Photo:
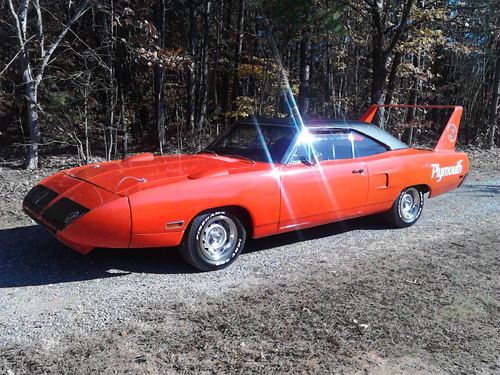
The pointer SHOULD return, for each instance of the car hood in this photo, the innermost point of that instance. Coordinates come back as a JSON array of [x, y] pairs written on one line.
[[145, 171]]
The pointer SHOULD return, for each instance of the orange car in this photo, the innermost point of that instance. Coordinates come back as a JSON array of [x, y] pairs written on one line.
[[259, 178]]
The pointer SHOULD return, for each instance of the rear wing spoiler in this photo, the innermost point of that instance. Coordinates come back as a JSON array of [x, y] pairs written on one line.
[[448, 137]]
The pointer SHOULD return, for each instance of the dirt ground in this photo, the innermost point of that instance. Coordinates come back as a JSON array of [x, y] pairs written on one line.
[[354, 298]]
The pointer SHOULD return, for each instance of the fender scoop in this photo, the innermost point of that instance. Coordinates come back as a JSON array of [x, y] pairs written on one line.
[[208, 173]]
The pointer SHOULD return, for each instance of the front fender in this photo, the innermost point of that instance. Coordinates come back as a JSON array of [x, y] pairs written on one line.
[[108, 225]]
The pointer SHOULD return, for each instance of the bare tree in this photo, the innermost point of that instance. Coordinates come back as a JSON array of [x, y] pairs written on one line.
[[205, 64], [238, 50], [383, 48], [191, 84], [33, 72], [305, 70], [495, 94], [159, 81]]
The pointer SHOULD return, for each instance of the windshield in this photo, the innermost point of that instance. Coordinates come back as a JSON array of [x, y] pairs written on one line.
[[265, 143]]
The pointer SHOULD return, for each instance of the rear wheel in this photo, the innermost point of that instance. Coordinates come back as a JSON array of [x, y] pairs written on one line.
[[407, 208], [213, 240]]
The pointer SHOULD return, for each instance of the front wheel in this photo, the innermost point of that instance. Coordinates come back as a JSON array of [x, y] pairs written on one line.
[[213, 240], [406, 208]]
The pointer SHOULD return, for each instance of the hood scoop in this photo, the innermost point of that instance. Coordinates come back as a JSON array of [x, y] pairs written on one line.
[[209, 173], [141, 157]]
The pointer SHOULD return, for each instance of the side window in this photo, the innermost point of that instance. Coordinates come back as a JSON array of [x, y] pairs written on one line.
[[342, 146], [364, 146], [323, 145]]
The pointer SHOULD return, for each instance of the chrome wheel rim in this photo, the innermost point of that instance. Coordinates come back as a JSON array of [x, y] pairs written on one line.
[[218, 238], [409, 205]]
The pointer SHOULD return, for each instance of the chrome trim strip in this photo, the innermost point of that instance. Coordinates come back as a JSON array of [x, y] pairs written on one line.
[[295, 225]]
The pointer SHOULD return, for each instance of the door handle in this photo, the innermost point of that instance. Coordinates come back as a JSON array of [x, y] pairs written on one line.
[[361, 171]]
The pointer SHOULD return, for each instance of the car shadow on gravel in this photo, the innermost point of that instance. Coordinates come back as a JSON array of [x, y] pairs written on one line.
[[32, 256], [373, 222], [483, 190]]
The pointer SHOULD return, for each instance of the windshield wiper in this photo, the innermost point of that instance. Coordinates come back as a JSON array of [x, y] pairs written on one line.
[[239, 157]]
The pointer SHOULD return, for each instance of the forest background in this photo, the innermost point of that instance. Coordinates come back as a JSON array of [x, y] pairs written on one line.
[[112, 77]]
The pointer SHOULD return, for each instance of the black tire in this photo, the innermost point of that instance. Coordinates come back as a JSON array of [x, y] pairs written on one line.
[[407, 208], [213, 240]]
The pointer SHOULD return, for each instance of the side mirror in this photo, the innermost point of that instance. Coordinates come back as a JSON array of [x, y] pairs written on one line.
[[306, 161]]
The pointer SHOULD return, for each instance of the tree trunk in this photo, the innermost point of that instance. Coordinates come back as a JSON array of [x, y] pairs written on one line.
[[205, 65], [124, 124], [191, 100], [31, 161], [111, 87], [158, 74], [381, 53], [305, 70], [378, 85], [218, 16], [495, 94], [413, 101], [226, 75], [328, 71], [410, 117], [86, 94], [237, 53], [391, 86], [32, 80]]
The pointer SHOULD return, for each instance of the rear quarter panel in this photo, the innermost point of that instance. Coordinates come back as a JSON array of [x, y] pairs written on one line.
[[391, 172]]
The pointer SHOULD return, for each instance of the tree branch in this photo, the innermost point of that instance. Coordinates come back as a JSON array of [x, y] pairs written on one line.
[[39, 25], [18, 25], [356, 10], [377, 19], [23, 12], [15, 57], [82, 9], [401, 28], [96, 56]]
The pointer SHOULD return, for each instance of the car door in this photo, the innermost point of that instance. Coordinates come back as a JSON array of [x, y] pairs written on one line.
[[322, 182]]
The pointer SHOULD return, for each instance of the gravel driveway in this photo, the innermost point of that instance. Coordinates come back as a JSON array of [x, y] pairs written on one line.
[[49, 292]]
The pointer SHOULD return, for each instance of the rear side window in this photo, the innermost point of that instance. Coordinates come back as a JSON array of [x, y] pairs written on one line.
[[364, 146]]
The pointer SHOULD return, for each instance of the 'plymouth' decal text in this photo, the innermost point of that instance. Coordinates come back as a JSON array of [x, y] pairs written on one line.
[[439, 173]]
